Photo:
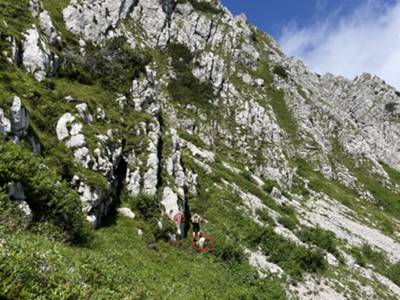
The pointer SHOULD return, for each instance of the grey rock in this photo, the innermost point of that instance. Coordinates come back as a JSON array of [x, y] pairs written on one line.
[[46, 24], [76, 141], [5, 124], [210, 67], [25, 209], [96, 20], [150, 178], [36, 56], [19, 118], [126, 212], [84, 112], [133, 182], [16, 192], [62, 129], [69, 131], [35, 7]]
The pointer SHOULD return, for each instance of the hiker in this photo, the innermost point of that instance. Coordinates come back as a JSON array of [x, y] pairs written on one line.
[[200, 240], [196, 220]]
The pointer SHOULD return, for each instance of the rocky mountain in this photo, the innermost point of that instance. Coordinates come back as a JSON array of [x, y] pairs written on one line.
[[120, 119]]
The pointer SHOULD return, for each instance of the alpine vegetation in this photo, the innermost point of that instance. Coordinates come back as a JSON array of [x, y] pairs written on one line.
[[165, 149]]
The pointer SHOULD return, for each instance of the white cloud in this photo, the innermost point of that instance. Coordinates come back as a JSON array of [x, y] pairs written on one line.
[[367, 40]]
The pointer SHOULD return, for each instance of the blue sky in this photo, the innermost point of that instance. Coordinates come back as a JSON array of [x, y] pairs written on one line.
[[343, 37], [273, 16]]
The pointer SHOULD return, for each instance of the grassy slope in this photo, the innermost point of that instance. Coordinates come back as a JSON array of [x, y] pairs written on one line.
[[32, 267]]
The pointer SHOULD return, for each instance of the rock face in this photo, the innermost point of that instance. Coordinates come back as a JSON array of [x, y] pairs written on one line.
[[36, 56], [213, 119], [96, 20]]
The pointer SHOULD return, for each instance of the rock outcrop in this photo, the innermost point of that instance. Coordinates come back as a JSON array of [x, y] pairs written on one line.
[[36, 56]]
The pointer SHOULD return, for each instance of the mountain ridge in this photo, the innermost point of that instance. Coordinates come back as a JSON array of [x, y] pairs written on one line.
[[156, 108]]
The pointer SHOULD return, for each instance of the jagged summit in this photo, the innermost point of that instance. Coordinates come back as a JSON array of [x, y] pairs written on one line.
[[124, 114]]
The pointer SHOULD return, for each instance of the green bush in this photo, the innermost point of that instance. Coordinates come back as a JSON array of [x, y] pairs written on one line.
[[228, 251], [268, 186], [11, 217], [149, 213], [147, 206], [393, 273], [113, 65], [50, 198], [390, 107], [185, 88], [320, 237], [280, 71], [288, 222], [16, 18], [311, 260], [265, 217], [294, 259], [202, 6]]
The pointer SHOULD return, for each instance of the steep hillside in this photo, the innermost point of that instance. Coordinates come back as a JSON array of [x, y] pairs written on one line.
[[121, 119]]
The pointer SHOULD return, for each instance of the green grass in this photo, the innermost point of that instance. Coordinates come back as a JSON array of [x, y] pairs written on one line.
[[322, 238], [55, 9], [283, 115], [17, 16], [366, 255], [119, 264], [237, 228]]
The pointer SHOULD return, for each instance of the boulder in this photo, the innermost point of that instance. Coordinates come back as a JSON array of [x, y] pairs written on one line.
[[126, 212], [84, 112], [62, 129]]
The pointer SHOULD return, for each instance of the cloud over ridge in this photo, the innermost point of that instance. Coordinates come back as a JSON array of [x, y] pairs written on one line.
[[367, 40]]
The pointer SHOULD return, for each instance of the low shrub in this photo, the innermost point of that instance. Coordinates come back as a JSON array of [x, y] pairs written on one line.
[[203, 6], [147, 206], [268, 186], [185, 88], [393, 273], [294, 259], [288, 222], [280, 71], [265, 217], [114, 65], [49, 197], [319, 237], [228, 251]]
